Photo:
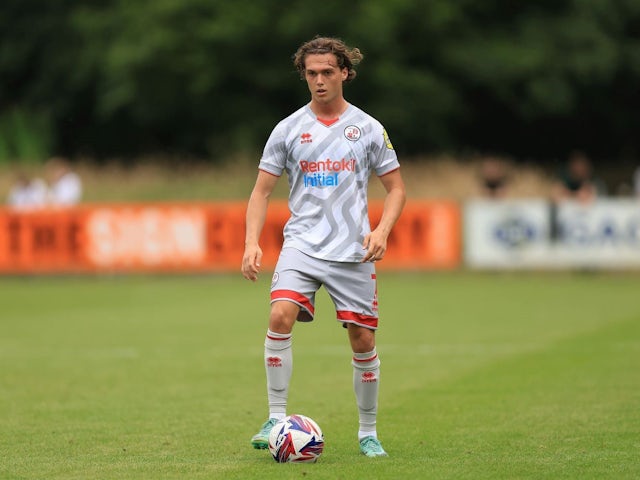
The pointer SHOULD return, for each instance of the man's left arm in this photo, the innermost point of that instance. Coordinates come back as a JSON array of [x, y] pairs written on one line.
[[376, 242]]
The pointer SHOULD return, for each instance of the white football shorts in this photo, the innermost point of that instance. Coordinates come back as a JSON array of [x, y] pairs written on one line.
[[351, 286]]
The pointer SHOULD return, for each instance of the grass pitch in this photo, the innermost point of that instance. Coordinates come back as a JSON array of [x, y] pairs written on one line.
[[483, 376]]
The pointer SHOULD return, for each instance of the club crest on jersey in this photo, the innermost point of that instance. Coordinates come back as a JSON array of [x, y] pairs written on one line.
[[352, 133]]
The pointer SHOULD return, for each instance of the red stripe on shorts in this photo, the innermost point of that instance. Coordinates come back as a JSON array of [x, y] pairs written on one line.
[[353, 317], [294, 297]]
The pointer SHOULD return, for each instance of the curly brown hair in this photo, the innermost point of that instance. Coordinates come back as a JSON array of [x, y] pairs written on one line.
[[347, 57]]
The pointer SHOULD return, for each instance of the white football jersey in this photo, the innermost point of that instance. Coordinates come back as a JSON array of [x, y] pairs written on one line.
[[328, 168]]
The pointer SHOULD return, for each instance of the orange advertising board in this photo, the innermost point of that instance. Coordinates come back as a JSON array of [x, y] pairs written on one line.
[[192, 237]]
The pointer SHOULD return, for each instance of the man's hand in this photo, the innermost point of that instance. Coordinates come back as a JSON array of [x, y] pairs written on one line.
[[251, 262], [375, 243]]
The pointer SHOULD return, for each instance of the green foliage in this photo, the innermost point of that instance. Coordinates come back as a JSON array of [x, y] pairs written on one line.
[[206, 78], [24, 137]]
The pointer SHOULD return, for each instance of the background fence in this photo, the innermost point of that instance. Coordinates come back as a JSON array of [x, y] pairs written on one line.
[[209, 237], [192, 237]]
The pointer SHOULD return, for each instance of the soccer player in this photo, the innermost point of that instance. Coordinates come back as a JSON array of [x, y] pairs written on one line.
[[328, 148]]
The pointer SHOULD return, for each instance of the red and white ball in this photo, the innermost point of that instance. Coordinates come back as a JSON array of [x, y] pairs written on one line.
[[296, 439]]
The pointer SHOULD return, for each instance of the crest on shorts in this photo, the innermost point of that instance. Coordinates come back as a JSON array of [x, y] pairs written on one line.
[[352, 133], [275, 278]]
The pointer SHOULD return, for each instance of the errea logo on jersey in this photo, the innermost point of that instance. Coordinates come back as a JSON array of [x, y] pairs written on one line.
[[324, 173], [305, 138]]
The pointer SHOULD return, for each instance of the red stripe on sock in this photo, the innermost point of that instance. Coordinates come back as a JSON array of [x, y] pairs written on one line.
[[278, 338], [362, 360]]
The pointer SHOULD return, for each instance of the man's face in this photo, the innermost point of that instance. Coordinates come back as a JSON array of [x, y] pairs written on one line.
[[324, 77]]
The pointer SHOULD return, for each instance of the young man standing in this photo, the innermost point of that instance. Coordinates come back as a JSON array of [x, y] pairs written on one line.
[[328, 148]]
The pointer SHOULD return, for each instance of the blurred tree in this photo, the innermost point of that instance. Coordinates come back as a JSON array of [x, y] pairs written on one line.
[[177, 76], [205, 78], [548, 77], [37, 82]]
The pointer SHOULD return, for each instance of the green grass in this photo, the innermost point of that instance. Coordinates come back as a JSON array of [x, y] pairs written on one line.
[[484, 377]]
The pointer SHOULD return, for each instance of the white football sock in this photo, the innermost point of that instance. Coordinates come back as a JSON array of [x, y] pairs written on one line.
[[278, 361], [366, 375]]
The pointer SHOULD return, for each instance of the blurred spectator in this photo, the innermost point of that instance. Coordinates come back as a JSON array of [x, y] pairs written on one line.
[[577, 181], [65, 186], [494, 178], [636, 182], [27, 193]]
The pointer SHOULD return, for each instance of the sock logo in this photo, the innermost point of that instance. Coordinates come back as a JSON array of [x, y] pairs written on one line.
[[274, 362], [369, 377]]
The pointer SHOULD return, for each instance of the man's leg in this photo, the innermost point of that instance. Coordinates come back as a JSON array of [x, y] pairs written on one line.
[[278, 361], [366, 376], [278, 355]]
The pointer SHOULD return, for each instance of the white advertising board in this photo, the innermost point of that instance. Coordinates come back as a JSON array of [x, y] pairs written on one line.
[[514, 234]]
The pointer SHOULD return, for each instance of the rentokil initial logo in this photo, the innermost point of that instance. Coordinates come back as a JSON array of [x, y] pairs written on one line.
[[324, 173]]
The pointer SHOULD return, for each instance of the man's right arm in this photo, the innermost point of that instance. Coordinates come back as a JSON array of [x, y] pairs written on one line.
[[256, 215]]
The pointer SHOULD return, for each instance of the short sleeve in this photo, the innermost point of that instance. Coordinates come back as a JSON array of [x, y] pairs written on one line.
[[382, 155], [274, 155]]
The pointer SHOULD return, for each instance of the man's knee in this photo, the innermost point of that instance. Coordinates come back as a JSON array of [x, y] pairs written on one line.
[[362, 339], [283, 316]]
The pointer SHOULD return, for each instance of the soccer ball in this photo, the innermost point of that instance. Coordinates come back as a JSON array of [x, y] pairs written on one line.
[[296, 439]]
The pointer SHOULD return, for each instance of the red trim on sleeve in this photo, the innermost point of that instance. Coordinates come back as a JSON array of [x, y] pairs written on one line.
[[272, 174], [390, 171]]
